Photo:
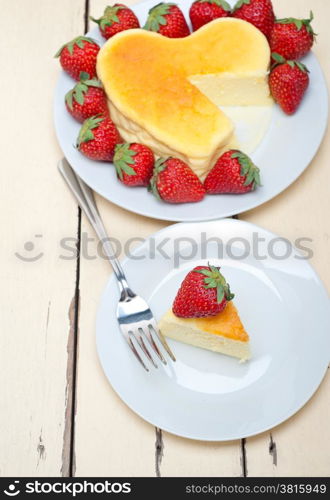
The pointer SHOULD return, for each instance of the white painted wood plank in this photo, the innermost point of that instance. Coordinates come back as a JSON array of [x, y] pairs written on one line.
[[184, 457], [109, 438], [35, 297], [302, 443], [118, 442]]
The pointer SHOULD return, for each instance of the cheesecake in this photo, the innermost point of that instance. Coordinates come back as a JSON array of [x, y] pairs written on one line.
[[166, 92], [204, 315], [223, 333]]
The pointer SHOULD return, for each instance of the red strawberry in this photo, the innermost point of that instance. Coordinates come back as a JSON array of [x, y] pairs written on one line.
[[78, 56], [173, 181], [168, 20], [98, 137], [260, 13], [292, 38], [204, 292], [233, 173], [116, 18], [288, 82], [203, 11], [86, 99], [134, 163]]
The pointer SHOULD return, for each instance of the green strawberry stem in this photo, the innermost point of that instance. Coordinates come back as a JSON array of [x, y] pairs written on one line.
[[80, 89], [85, 133], [248, 169], [109, 16], [299, 23], [156, 16], [240, 4], [221, 3], [281, 60], [214, 279], [160, 165], [123, 158], [79, 41]]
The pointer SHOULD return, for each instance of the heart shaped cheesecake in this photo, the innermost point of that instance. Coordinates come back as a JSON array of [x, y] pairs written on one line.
[[166, 92]]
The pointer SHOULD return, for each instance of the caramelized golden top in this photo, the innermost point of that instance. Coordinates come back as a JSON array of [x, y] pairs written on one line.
[[146, 75], [227, 323]]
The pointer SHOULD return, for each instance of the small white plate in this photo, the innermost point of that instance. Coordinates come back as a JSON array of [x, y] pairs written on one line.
[[286, 150], [209, 396]]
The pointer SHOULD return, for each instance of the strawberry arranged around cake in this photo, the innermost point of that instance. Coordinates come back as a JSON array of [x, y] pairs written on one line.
[[203, 315], [153, 99]]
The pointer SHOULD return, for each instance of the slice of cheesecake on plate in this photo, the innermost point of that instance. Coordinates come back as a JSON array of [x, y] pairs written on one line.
[[203, 315]]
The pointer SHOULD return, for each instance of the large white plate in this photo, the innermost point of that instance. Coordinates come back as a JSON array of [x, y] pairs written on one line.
[[205, 395], [286, 150]]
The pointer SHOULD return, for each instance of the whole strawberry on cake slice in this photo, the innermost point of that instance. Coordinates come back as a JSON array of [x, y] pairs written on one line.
[[203, 315]]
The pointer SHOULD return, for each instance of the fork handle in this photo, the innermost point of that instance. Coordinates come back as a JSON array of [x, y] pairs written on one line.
[[85, 197]]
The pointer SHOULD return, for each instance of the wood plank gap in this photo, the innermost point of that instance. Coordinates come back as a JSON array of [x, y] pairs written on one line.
[[159, 450], [75, 351], [72, 462], [243, 458], [272, 449], [86, 16], [68, 462]]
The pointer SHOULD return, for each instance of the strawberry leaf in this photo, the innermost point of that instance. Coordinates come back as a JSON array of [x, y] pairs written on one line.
[[109, 16], [214, 279], [240, 4], [248, 169], [300, 23], [79, 41], [277, 57], [160, 165], [221, 3], [79, 90], [156, 16], [123, 158], [83, 76], [85, 133]]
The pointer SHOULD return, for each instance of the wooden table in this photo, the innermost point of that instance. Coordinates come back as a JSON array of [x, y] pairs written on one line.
[[59, 414]]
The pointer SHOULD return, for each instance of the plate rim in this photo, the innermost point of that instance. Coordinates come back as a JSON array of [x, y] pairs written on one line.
[[225, 213], [112, 281]]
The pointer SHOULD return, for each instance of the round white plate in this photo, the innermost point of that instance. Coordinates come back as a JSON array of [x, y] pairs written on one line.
[[209, 396], [285, 151]]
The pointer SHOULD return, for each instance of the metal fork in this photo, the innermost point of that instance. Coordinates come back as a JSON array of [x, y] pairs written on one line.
[[134, 316]]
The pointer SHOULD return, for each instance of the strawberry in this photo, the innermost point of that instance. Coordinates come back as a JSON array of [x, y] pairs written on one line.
[[233, 173], [288, 82], [78, 56], [173, 181], [203, 11], [98, 137], [260, 13], [116, 18], [86, 99], [168, 20], [204, 292], [292, 38], [134, 163]]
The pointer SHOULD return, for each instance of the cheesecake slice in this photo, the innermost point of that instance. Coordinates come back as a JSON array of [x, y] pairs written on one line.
[[165, 92], [223, 333]]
